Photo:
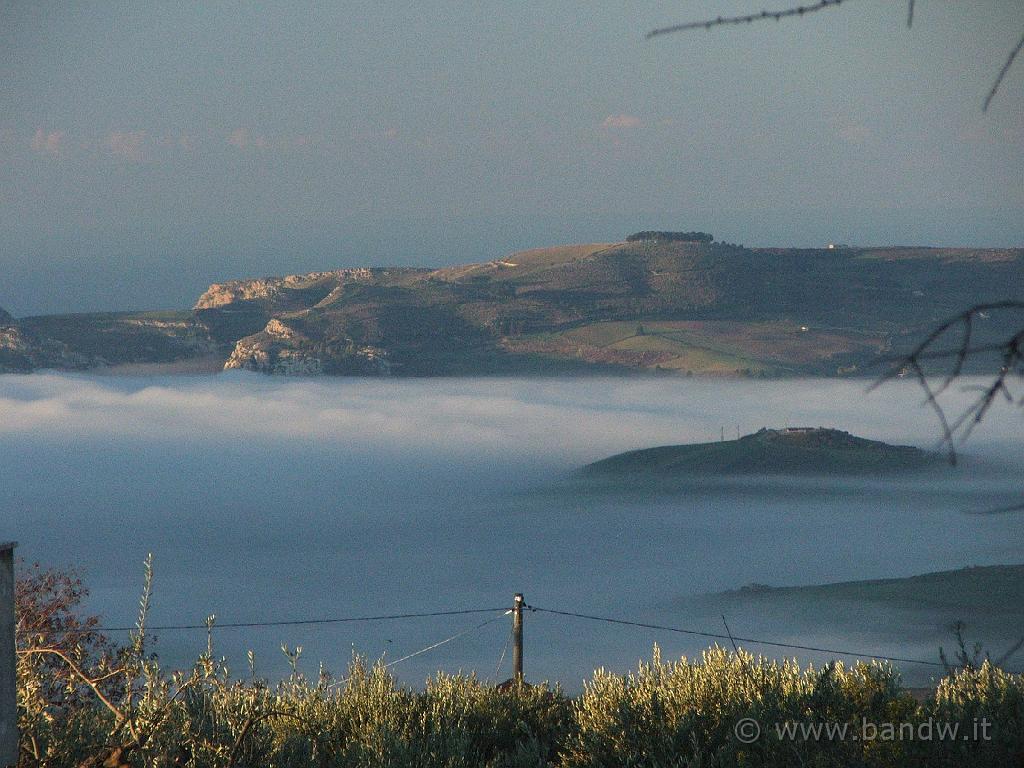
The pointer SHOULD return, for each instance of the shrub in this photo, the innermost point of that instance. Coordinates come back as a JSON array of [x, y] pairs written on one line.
[[669, 237], [684, 713]]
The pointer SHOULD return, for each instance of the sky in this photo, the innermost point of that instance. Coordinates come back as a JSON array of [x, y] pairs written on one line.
[[149, 149]]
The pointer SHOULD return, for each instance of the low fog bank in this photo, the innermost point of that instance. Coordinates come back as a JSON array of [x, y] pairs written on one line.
[[562, 421], [289, 499]]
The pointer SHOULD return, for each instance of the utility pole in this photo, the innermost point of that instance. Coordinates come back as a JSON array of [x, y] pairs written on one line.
[[517, 638], [8, 661]]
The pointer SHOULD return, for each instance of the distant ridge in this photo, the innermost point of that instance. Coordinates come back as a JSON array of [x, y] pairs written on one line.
[[791, 450], [671, 303]]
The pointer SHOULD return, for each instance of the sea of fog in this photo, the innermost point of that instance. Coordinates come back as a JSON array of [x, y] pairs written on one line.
[[267, 499]]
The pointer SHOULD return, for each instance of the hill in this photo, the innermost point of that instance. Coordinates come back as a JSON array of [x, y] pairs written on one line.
[[800, 450], [913, 616], [650, 304]]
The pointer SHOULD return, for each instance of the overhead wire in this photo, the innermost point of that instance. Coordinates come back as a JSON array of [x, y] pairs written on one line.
[[291, 622], [733, 638]]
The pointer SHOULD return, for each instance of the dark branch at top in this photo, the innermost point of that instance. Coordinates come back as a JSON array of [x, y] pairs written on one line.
[[1002, 73], [799, 10], [802, 10]]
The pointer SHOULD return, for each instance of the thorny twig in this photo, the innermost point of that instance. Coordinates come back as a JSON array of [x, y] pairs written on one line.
[[1010, 354], [798, 10], [803, 10]]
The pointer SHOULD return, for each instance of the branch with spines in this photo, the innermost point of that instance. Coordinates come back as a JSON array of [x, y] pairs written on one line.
[[803, 10], [1010, 362]]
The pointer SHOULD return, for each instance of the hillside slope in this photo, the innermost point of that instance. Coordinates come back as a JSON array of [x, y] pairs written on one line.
[[671, 306], [646, 305]]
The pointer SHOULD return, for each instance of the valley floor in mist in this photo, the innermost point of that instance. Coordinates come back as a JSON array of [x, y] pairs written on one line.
[[276, 499]]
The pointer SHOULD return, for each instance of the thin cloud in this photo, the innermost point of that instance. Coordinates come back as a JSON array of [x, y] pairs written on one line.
[[126, 144], [622, 121], [48, 142], [855, 133], [241, 138]]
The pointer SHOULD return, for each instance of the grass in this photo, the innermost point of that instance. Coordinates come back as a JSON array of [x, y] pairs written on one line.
[[705, 346]]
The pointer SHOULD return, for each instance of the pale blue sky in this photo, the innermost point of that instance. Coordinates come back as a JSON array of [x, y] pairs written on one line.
[[148, 149]]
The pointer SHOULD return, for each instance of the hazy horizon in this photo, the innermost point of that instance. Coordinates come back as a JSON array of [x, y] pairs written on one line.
[[147, 151]]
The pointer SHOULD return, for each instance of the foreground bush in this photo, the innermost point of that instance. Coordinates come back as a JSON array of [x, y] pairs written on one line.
[[685, 713], [211, 720], [84, 702], [679, 713]]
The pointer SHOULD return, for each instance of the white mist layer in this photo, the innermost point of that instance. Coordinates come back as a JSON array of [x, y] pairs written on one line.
[[568, 421], [269, 499]]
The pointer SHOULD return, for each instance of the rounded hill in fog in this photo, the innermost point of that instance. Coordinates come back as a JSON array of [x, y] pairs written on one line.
[[791, 450]]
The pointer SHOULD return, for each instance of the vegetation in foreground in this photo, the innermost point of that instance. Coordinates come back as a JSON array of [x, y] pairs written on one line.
[[84, 702]]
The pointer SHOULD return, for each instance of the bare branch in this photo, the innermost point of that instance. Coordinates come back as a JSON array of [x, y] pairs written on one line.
[[1002, 73], [802, 10], [1011, 361], [799, 10]]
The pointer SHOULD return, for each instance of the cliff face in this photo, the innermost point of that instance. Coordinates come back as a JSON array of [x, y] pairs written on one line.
[[5, 317], [301, 291], [21, 352], [282, 349], [75, 342]]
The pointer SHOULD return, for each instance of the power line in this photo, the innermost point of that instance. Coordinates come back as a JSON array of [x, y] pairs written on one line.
[[751, 640], [431, 647], [293, 622], [504, 650], [503, 612], [442, 642]]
